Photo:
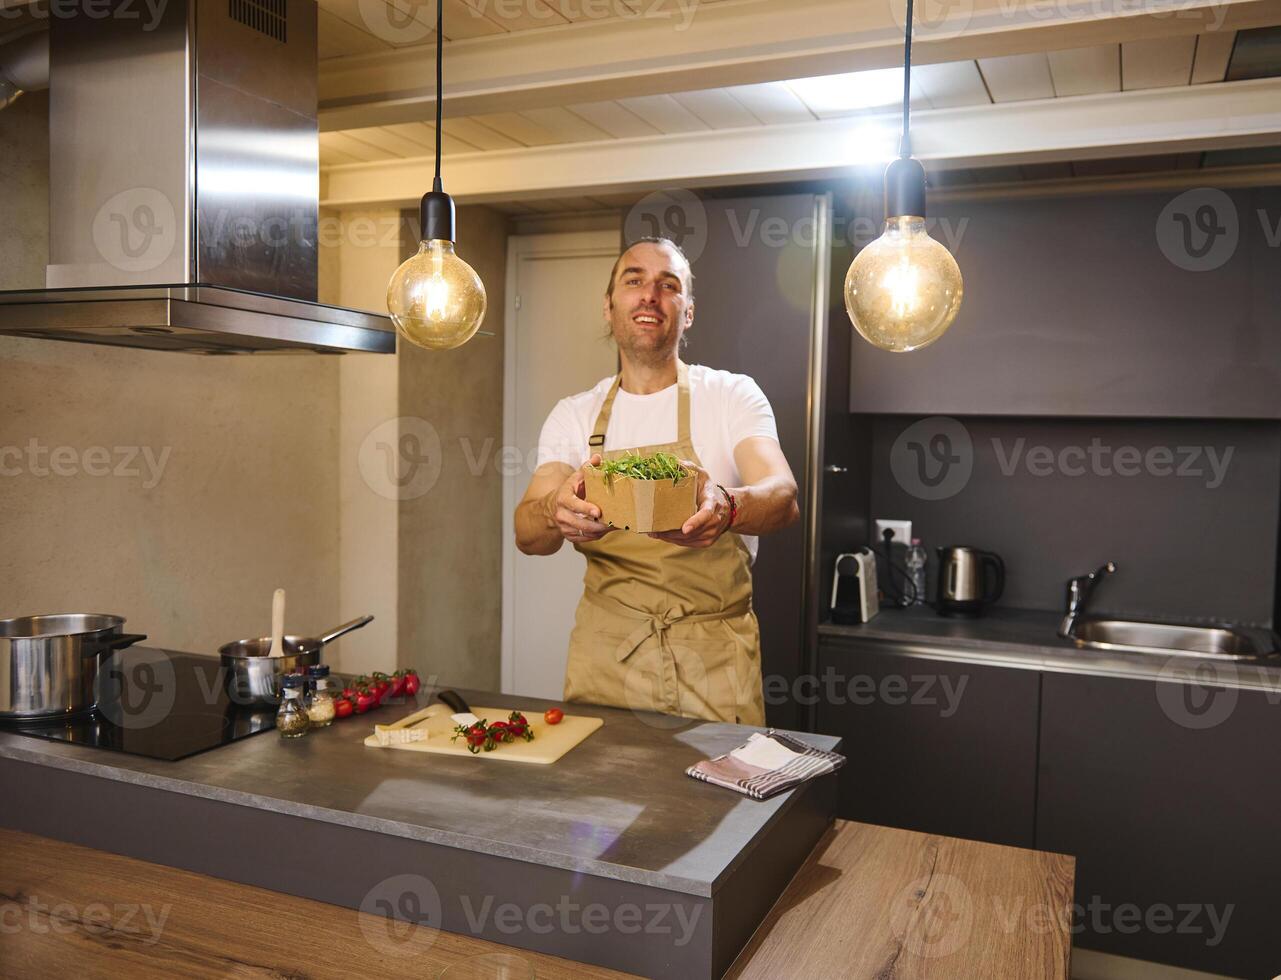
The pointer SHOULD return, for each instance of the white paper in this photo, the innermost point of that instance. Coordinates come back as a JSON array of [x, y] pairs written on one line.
[[764, 753]]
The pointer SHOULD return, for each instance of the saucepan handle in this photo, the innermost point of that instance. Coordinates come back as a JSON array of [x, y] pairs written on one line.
[[115, 643]]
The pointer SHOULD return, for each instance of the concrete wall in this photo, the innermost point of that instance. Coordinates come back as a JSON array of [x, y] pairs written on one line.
[[228, 477], [451, 532], [217, 480]]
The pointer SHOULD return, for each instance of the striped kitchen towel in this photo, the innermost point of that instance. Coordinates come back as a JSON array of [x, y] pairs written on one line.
[[766, 765]]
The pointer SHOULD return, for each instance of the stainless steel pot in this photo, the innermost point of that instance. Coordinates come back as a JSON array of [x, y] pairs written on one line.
[[48, 664], [253, 677]]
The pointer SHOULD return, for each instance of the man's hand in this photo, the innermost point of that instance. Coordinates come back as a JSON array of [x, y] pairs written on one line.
[[707, 523], [568, 509]]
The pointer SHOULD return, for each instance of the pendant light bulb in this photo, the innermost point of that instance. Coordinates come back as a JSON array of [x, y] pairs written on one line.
[[435, 299], [904, 289]]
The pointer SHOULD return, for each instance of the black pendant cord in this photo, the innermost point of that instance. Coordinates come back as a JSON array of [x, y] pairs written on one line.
[[436, 211], [905, 141], [440, 76], [905, 177]]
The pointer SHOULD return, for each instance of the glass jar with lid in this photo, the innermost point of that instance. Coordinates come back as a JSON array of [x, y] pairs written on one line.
[[320, 697], [291, 718]]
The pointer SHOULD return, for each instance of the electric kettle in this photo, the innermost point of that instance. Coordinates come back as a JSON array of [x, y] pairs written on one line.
[[968, 580]]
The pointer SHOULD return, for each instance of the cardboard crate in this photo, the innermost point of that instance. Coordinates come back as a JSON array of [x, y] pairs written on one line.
[[641, 505]]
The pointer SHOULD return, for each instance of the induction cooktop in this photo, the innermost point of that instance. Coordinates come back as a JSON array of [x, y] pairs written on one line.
[[158, 704]]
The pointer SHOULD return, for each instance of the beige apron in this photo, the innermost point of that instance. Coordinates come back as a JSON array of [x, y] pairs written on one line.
[[661, 627]]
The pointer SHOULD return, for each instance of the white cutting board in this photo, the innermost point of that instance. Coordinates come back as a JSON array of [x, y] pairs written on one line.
[[549, 744]]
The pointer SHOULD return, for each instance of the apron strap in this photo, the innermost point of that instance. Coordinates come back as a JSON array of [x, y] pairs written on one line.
[[657, 624], [597, 438], [682, 403]]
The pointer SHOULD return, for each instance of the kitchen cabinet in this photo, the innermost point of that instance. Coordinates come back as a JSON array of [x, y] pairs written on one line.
[[1167, 794], [1094, 307], [932, 745]]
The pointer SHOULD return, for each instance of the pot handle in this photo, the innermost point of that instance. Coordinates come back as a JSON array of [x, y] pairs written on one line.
[[345, 628], [116, 643]]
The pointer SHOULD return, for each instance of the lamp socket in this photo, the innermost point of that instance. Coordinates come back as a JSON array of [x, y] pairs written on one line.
[[902, 531]]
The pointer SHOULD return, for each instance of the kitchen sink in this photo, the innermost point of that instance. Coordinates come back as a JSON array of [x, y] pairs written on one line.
[[1224, 642]]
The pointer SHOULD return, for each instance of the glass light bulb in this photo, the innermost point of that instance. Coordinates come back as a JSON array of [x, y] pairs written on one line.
[[435, 298], [904, 289]]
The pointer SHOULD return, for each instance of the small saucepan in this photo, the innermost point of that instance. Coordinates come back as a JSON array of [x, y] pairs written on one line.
[[253, 677]]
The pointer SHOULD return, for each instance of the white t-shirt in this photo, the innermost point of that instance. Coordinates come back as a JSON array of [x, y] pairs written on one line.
[[724, 409]]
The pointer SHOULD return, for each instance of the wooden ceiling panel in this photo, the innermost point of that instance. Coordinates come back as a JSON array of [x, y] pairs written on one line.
[[950, 84], [1086, 71], [1017, 78], [613, 119], [717, 108], [1213, 52], [564, 126], [477, 135], [1159, 62], [664, 113], [771, 103]]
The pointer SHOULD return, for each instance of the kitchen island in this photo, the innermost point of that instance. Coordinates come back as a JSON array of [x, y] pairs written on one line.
[[870, 902], [683, 872]]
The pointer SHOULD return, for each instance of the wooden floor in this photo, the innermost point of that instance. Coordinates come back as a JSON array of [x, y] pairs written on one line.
[[871, 902]]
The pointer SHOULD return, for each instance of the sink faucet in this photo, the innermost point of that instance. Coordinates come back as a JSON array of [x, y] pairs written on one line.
[[1079, 590]]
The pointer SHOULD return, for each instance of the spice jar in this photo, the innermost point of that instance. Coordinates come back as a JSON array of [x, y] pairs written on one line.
[[291, 717], [320, 696]]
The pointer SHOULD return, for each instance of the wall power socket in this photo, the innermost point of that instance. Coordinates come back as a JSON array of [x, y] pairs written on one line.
[[902, 531]]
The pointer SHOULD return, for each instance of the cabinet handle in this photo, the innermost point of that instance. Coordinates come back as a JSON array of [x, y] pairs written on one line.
[[833, 468]]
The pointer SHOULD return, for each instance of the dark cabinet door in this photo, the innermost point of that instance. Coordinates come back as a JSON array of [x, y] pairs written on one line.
[[755, 316], [932, 745], [1168, 795]]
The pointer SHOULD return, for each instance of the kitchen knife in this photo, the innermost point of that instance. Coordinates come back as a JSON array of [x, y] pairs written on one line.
[[462, 714]]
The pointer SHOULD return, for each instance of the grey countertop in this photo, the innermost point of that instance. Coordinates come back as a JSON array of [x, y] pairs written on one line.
[[1029, 640], [619, 805]]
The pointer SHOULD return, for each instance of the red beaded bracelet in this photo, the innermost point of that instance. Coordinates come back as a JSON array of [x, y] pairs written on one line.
[[733, 506]]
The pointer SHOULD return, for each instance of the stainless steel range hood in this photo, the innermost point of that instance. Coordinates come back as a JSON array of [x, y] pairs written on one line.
[[184, 184]]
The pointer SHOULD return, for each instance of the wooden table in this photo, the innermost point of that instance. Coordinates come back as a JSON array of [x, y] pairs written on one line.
[[870, 902]]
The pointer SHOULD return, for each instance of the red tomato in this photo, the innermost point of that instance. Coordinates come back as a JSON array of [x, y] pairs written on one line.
[[412, 683], [365, 700], [553, 716], [343, 708]]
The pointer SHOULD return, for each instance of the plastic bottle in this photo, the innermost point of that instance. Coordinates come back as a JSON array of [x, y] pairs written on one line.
[[916, 559]]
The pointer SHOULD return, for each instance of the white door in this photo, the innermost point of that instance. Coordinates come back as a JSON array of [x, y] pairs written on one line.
[[556, 345]]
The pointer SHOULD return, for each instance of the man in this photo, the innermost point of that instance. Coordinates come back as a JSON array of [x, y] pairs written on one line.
[[666, 621]]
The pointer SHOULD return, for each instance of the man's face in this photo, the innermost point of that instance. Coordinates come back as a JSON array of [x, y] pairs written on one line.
[[650, 308]]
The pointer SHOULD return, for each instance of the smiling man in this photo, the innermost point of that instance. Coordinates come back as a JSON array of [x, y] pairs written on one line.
[[665, 622]]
